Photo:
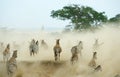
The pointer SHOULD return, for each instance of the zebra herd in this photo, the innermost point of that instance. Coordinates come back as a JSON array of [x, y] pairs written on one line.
[[76, 52], [11, 63]]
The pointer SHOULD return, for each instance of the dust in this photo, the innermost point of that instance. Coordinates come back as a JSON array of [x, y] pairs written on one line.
[[43, 64]]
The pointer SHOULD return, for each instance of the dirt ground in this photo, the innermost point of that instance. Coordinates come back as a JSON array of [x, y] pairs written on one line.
[[43, 64]]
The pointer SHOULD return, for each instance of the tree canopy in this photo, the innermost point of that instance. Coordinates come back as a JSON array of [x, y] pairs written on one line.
[[115, 19], [81, 17]]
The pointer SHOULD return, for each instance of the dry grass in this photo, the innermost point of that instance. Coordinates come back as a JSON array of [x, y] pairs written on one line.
[[40, 68]]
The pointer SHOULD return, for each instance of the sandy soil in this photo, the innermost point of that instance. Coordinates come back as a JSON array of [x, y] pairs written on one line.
[[43, 64]]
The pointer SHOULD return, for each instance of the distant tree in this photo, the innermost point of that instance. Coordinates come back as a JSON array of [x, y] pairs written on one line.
[[81, 17], [115, 19]]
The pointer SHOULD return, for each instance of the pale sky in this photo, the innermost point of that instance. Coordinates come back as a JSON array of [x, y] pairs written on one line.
[[33, 14]]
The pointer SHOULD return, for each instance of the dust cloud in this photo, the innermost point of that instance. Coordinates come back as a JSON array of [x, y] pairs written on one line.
[[43, 64]]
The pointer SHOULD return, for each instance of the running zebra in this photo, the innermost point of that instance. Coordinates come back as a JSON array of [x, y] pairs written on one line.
[[57, 50], [93, 64], [34, 47], [6, 53], [96, 45], [75, 51], [12, 64], [74, 57]]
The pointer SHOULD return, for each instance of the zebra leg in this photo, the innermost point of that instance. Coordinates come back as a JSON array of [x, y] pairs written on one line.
[[55, 58], [55, 55], [59, 56], [10, 74], [7, 67], [72, 61], [33, 52]]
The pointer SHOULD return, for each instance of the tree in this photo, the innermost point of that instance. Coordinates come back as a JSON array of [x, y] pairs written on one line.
[[81, 17], [115, 19]]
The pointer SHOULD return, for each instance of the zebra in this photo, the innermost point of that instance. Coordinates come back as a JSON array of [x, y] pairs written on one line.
[[75, 50], [34, 47], [92, 63], [74, 57], [12, 64], [57, 50], [6, 53], [96, 45], [78, 48]]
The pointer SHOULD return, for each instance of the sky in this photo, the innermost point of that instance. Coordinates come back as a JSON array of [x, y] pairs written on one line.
[[33, 14]]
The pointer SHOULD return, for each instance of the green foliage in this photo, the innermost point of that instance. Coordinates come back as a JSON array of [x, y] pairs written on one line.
[[115, 19], [81, 17]]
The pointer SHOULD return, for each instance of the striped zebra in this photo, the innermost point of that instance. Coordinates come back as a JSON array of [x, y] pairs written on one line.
[[78, 48], [96, 45], [74, 57], [75, 50], [34, 47], [6, 53], [12, 64], [57, 50], [92, 63]]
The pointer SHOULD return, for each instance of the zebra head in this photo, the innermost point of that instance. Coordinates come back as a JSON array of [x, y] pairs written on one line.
[[14, 54]]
